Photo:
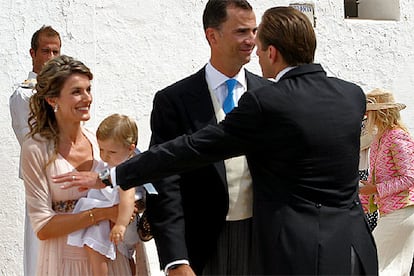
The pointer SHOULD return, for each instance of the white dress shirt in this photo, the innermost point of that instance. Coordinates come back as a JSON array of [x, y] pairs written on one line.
[[216, 82], [282, 73]]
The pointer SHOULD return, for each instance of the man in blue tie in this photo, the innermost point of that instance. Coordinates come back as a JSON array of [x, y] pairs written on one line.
[[206, 228]]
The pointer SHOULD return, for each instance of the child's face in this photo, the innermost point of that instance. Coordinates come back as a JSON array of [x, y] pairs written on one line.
[[114, 152]]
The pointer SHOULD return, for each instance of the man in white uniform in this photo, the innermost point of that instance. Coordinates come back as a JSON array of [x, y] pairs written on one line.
[[45, 45]]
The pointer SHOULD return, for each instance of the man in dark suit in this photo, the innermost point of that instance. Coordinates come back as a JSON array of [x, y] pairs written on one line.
[[301, 138], [205, 225]]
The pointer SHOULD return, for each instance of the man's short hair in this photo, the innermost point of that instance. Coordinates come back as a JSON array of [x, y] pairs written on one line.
[[215, 12], [290, 32], [44, 30]]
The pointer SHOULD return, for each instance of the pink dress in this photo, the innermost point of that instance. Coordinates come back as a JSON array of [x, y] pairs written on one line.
[[45, 199]]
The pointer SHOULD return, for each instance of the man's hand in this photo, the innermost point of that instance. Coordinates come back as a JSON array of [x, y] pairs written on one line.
[[82, 180], [181, 270]]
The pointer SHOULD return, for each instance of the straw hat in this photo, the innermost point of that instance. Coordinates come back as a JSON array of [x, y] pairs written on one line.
[[379, 99]]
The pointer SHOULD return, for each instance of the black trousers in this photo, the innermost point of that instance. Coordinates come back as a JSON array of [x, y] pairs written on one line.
[[233, 251], [356, 265]]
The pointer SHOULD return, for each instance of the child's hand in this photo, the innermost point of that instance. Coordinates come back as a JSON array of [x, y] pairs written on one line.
[[117, 233]]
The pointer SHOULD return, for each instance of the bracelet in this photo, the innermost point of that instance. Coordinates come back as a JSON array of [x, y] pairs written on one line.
[[92, 216]]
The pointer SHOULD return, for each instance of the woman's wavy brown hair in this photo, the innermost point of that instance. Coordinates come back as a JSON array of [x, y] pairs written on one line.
[[55, 72]]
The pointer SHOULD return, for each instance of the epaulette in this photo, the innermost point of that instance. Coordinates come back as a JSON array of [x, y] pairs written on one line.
[[30, 83]]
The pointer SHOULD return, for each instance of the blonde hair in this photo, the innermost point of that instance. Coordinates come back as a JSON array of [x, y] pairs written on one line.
[[380, 120], [120, 128]]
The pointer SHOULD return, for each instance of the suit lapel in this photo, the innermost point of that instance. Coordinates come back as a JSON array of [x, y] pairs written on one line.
[[200, 113], [198, 102]]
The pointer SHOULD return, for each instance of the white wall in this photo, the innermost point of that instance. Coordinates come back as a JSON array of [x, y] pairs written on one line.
[[136, 47]]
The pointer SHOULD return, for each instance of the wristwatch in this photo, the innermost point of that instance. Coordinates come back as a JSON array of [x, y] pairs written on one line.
[[105, 177]]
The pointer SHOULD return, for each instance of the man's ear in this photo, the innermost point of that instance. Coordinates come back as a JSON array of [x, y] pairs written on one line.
[[32, 52], [273, 53], [211, 35]]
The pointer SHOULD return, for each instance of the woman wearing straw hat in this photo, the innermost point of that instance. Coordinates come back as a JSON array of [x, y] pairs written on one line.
[[391, 181]]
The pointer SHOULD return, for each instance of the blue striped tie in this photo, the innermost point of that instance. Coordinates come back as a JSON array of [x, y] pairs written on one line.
[[228, 104]]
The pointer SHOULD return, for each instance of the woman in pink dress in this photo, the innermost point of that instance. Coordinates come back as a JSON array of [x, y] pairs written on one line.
[[391, 181], [58, 143]]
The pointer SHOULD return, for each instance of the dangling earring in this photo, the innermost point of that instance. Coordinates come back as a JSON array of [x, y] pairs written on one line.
[[55, 109]]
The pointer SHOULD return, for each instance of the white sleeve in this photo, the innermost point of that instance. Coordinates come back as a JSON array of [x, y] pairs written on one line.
[[19, 111]]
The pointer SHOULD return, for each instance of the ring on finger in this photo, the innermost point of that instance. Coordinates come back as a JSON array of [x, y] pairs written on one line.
[[73, 177]]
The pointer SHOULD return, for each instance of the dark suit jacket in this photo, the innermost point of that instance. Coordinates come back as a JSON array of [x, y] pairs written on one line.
[[301, 138], [189, 212]]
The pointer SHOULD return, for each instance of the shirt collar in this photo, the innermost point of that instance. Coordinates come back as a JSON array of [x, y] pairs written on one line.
[[283, 72], [215, 78]]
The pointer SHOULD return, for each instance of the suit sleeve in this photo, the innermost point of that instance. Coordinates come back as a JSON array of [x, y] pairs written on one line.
[[165, 211], [240, 133]]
